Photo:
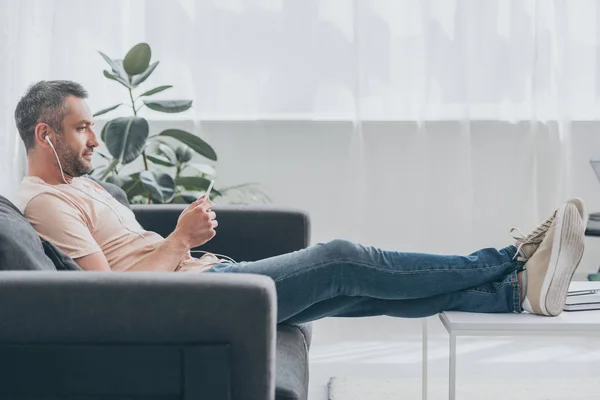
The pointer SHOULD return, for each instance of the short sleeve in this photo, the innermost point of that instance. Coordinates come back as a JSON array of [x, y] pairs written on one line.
[[60, 222]]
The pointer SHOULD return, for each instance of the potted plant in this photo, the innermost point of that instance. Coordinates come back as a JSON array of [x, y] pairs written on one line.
[[169, 173]]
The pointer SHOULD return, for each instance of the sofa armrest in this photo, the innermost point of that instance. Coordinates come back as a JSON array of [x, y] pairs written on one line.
[[148, 308], [245, 233]]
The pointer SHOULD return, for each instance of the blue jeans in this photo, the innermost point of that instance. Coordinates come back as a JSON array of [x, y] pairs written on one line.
[[344, 279]]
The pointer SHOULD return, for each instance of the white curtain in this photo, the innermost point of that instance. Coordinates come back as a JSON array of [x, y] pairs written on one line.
[[461, 90], [376, 59]]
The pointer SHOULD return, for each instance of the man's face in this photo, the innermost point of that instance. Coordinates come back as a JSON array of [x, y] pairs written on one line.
[[75, 144]]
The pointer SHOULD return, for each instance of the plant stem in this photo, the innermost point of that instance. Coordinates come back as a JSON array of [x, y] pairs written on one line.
[[135, 114], [143, 151], [109, 169], [132, 103], [145, 160]]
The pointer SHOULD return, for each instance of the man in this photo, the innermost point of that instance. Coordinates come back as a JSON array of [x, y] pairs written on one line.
[[338, 278]]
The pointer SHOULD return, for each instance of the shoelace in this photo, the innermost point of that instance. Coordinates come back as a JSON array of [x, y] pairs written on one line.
[[535, 238]]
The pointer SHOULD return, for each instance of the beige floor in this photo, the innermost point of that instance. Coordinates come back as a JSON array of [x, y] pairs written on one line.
[[378, 352]]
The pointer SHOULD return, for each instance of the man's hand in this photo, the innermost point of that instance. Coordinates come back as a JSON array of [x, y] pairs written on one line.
[[196, 224]]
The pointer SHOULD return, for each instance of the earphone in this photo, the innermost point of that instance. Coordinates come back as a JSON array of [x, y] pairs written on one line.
[[119, 217], [56, 155]]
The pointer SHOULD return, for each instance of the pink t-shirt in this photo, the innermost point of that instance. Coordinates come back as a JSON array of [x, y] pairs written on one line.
[[82, 218]]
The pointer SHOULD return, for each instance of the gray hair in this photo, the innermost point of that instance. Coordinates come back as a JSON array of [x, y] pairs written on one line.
[[44, 102]]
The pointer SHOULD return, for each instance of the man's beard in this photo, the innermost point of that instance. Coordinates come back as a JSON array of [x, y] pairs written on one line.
[[72, 163]]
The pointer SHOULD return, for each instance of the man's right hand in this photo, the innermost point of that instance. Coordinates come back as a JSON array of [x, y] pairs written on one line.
[[196, 224]]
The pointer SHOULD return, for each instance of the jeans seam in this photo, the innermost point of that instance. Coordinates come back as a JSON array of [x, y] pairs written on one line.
[[374, 267], [517, 308], [516, 296]]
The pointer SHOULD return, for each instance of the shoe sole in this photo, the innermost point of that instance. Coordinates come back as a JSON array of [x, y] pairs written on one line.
[[577, 202], [567, 251]]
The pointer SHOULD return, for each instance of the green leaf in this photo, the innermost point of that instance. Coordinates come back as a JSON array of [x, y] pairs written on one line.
[[197, 144], [203, 168], [103, 133], [114, 77], [121, 70], [196, 183], [155, 90], [183, 153], [119, 180], [102, 155], [116, 66], [169, 106], [137, 79], [178, 199], [107, 59], [134, 187], [137, 59], [104, 111], [190, 197], [126, 138], [193, 182], [112, 63], [109, 168], [160, 185], [168, 152], [159, 159]]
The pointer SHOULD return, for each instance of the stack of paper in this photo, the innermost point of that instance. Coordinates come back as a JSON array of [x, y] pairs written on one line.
[[580, 300]]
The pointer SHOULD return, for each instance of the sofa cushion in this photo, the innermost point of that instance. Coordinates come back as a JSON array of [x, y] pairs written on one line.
[[20, 246], [22, 249], [60, 259], [291, 377]]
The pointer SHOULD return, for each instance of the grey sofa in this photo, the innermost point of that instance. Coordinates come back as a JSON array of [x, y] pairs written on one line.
[[86, 335]]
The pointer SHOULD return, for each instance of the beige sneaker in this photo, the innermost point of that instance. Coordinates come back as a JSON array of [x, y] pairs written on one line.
[[552, 264], [527, 245]]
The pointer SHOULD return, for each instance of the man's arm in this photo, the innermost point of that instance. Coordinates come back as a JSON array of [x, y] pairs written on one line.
[[66, 228], [166, 257], [93, 262]]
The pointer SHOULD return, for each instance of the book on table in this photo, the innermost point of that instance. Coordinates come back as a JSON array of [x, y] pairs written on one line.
[[582, 300]]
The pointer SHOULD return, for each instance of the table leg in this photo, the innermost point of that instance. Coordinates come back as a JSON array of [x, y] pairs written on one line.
[[424, 360], [452, 382]]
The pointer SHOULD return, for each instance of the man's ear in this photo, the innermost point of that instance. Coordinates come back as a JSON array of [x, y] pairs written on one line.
[[41, 131]]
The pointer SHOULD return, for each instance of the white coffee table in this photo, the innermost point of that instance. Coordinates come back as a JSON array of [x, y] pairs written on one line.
[[579, 323]]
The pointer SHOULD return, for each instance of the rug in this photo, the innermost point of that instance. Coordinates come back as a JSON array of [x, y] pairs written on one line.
[[352, 388]]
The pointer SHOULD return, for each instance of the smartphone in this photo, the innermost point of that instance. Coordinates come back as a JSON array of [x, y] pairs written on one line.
[[207, 194]]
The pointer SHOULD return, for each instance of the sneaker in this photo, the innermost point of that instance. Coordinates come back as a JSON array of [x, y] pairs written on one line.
[[577, 202], [551, 266], [527, 245]]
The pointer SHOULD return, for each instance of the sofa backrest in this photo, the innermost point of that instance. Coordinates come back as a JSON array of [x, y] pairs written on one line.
[[114, 190], [22, 249]]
